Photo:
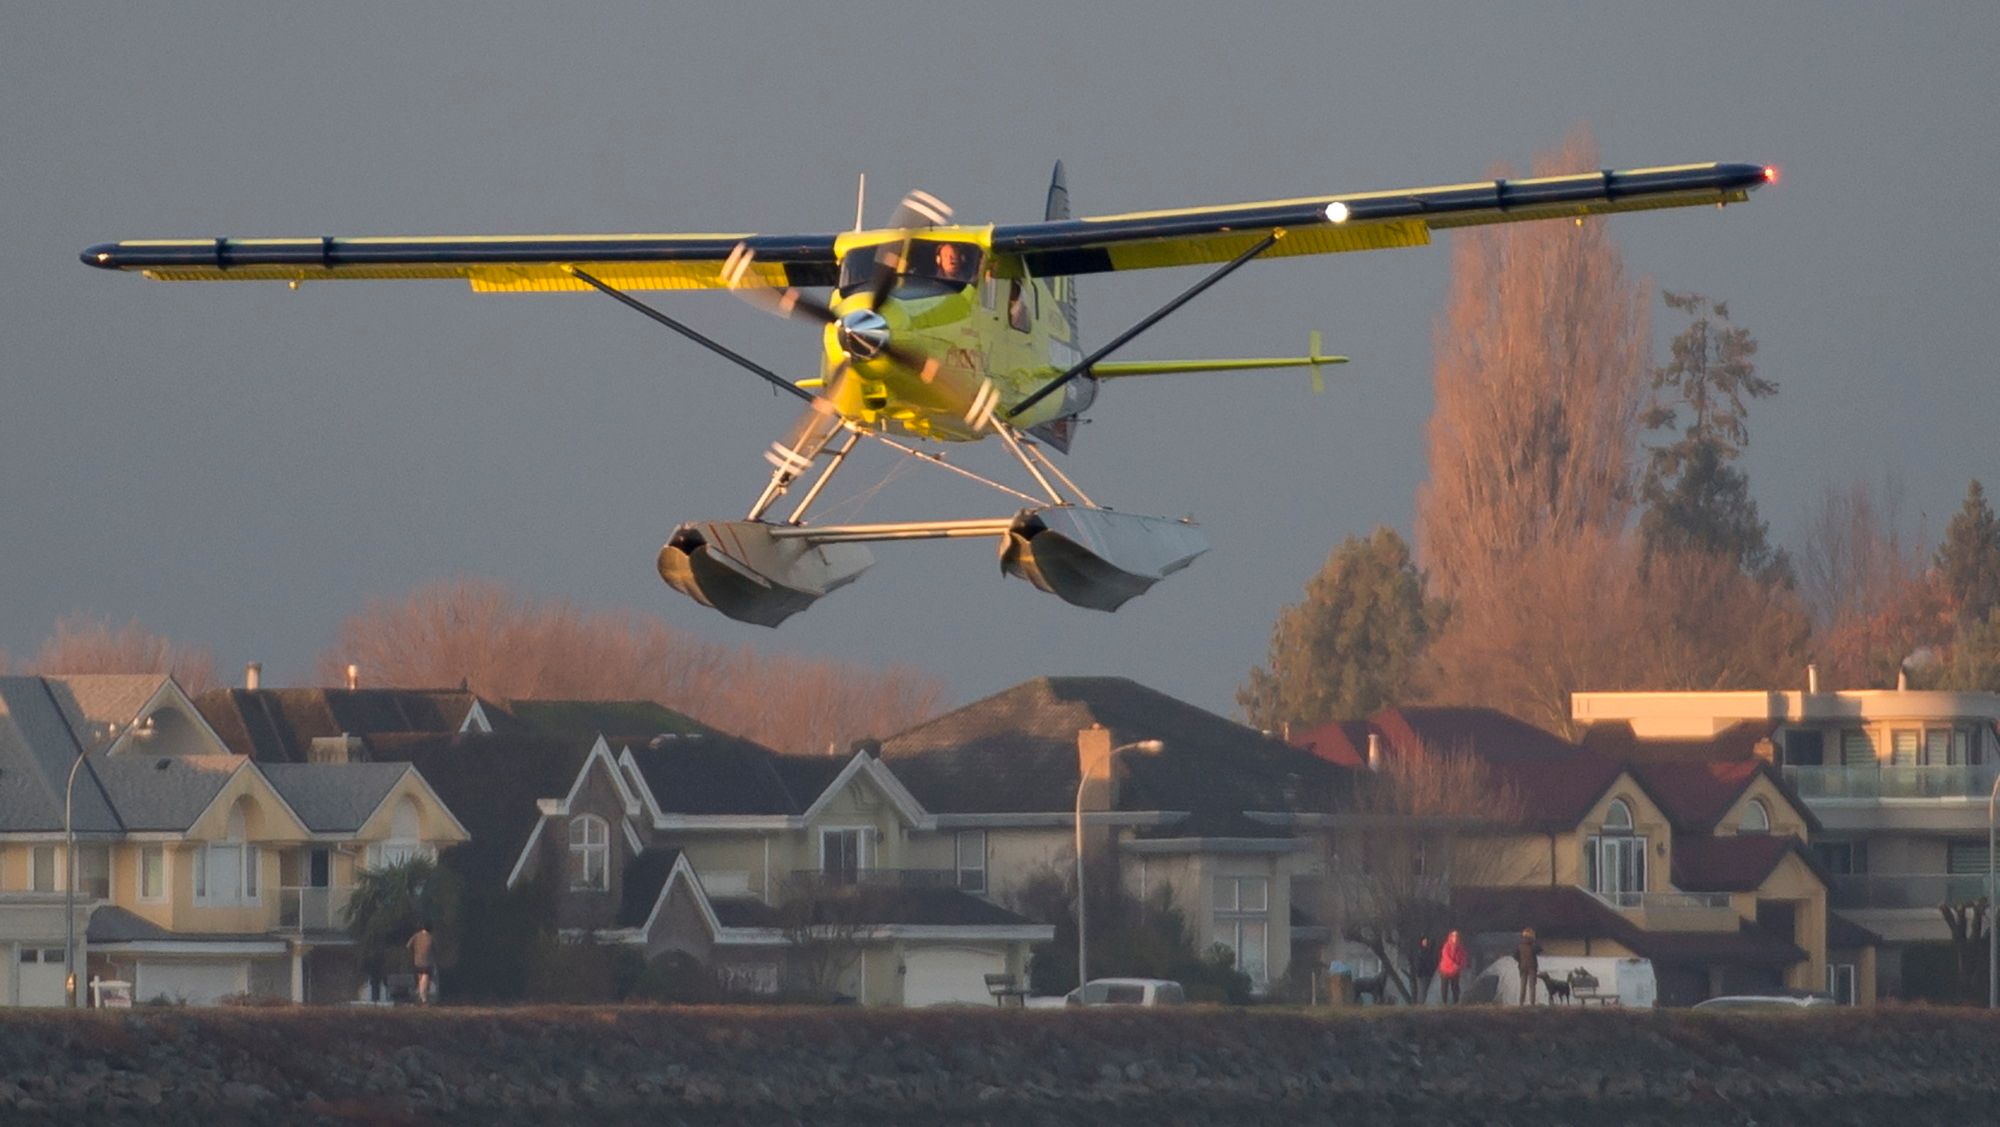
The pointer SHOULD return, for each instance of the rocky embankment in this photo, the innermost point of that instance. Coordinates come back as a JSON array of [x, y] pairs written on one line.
[[1102, 1067]]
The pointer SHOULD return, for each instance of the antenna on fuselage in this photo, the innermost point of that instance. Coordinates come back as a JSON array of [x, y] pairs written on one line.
[[860, 200]]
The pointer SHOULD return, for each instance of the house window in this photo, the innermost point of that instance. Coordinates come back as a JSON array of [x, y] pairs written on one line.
[[1937, 748], [972, 861], [1840, 982], [152, 872], [93, 872], [1842, 858], [1615, 859], [840, 855], [1756, 818], [1804, 747], [1242, 922], [589, 853], [225, 872], [1903, 747], [44, 877], [1965, 858], [1857, 748]]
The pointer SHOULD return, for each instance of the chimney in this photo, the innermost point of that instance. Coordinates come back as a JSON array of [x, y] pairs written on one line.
[[1374, 751], [1902, 679], [1812, 678], [353, 675], [253, 676]]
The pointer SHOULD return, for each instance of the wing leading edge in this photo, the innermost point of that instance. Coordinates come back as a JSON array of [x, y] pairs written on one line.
[[1364, 221], [1135, 241]]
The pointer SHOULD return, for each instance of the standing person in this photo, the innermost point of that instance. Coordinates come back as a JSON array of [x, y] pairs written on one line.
[[1426, 966], [1527, 957], [420, 955], [1451, 963]]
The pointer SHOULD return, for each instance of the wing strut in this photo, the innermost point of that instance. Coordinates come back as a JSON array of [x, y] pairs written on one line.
[[722, 350], [1125, 338]]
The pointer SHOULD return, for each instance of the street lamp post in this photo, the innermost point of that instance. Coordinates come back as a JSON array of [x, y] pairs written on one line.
[[1992, 938], [1083, 780], [69, 865]]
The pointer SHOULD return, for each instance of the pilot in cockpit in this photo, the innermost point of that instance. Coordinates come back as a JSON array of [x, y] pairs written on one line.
[[953, 264]]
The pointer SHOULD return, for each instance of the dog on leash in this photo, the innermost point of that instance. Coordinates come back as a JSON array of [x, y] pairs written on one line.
[[1557, 988]]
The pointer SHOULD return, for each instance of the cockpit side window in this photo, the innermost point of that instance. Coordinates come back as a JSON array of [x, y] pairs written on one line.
[[934, 268], [1018, 313]]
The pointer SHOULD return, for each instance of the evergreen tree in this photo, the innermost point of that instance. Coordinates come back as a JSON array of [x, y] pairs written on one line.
[[1696, 499], [1353, 645], [1968, 561]]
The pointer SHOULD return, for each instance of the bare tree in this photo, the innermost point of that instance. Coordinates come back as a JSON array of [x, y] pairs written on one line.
[[1540, 375], [1873, 599], [1419, 826], [89, 644], [825, 925], [1968, 921], [477, 633]]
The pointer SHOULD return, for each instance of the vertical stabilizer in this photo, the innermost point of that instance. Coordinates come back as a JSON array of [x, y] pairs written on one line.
[[1058, 207], [1078, 393]]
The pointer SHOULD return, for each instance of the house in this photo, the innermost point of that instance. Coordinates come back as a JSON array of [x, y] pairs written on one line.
[[777, 873], [1702, 868], [1175, 799], [1898, 780], [200, 873]]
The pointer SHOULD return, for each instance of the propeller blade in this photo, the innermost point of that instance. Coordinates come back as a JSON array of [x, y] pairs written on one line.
[[921, 209], [789, 302], [816, 424], [888, 271]]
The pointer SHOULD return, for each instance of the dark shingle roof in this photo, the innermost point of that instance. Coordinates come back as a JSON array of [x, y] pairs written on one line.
[[719, 774], [1737, 863], [1698, 795], [37, 747], [1016, 752], [592, 717], [164, 793], [334, 797], [491, 783], [915, 907], [1842, 932], [1568, 912], [644, 877], [279, 725]]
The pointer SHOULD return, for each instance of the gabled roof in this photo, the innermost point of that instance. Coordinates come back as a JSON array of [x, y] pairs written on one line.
[[334, 797], [1732, 863], [491, 782], [716, 774], [1697, 795], [166, 793], [1343, 743], [1016, 752], [279, 725], [98, 706], [38, 745], [1558, 782], [1842, 932], [593, 717], [643, 879], [1568, 912]]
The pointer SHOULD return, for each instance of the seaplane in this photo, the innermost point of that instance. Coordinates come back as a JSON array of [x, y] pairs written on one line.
[[938, 332]]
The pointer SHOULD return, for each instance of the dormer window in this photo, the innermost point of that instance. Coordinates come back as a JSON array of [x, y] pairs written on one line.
[[1756, 818], [1618, 818], [589, 853]]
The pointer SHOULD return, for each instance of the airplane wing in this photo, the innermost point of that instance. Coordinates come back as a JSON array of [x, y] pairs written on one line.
[[493, 264], [1364, 221]]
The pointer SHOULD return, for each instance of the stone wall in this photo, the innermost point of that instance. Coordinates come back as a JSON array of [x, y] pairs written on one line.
[[1103, 1067]]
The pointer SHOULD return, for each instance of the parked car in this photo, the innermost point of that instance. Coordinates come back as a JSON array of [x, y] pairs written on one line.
[[1768, 1003], [1127, 992]]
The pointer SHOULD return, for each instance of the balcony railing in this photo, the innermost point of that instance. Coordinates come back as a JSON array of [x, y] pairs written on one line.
[[890, 878], [312, 909], [1886, 781], [1904, 890], [1666, 901]]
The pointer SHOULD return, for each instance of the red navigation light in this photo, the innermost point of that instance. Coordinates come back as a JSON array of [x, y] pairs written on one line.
[[1770, 174]]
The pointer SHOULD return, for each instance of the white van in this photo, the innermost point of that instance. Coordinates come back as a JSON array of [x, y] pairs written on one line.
[[1624, 982], [1118, 992]]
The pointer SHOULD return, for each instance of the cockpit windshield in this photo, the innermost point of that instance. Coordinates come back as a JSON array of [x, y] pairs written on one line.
[[934, 269]]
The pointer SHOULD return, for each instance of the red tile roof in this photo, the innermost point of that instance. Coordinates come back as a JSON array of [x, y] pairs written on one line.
[[1342, 742], [1738, 741], [1697, 796], [1738, 863]]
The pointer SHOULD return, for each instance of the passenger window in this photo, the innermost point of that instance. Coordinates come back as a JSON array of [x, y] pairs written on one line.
[[1125, 996], [1017, 306]]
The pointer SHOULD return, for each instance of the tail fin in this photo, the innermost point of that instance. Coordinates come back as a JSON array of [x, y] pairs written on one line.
[[1078, 393]]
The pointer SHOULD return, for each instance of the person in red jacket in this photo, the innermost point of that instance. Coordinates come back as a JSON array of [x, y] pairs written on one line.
[[1451, 961]]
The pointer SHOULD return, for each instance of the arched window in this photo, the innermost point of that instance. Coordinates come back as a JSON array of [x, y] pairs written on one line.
[[589, 853], [1618, 817], [1615, 858], [406, 832], [1756, 818], [226, 870]]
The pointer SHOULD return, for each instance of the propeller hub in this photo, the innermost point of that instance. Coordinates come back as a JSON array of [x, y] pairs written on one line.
[[863, 334]]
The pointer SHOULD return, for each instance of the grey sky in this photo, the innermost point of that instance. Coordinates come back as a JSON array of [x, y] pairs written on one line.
[[241, 466]]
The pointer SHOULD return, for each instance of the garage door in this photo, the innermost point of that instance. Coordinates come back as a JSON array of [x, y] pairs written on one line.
[[42, 975], [196, 983], [937, 975]]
